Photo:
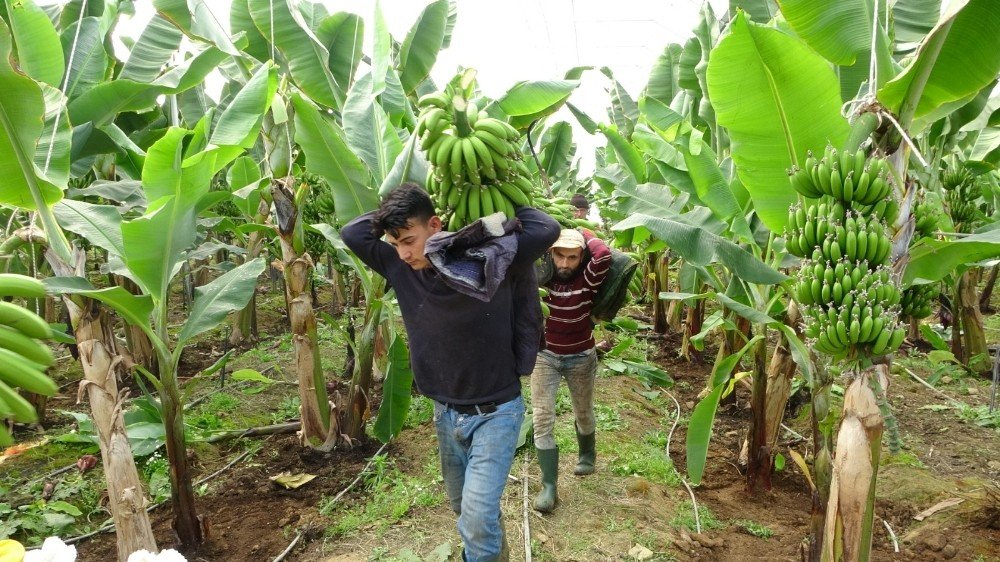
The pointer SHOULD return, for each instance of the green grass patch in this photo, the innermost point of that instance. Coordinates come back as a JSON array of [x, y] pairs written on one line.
[[684, 519], [646, 458], [391, 495]]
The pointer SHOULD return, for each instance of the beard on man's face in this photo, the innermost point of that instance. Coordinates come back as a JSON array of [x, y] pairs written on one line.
[[566, 273]]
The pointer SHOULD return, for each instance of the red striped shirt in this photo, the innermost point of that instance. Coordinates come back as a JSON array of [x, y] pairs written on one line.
[[569, 329]]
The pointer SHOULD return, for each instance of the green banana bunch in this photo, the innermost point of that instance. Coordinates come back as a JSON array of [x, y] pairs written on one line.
[[961, 193], [926, 219], [850, 177], [23, 358], [918, 300], [476, 168]]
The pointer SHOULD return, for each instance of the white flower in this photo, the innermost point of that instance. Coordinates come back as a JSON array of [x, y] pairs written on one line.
[[53, 550], [169, 555]]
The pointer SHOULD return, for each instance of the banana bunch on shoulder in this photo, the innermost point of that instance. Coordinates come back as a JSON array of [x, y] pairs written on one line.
[[476, 166], [23, 355], [562, 210]]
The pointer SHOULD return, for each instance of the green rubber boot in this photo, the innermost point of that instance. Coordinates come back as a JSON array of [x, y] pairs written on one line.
[[588, 454], [546, 499]]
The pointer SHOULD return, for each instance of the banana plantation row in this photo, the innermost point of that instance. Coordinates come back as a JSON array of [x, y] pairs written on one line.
[[826, 173]]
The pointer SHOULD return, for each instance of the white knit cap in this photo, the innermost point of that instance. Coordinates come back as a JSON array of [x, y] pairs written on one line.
[[570, 239]]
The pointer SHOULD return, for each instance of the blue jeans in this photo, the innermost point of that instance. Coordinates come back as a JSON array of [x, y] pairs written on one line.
[[477, 451]]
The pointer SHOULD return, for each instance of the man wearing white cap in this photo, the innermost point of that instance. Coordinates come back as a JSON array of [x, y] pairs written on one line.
[[581, 262]]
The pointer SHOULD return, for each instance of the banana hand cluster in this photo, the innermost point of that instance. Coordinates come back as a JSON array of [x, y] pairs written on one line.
[[926, 219], [476, 168], [850, 302], [918, 300], [23, 358], [850, 177], [560, 209]]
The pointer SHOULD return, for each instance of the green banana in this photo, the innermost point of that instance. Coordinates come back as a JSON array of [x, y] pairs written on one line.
[[14, 285], [18, 371], [24, 321]]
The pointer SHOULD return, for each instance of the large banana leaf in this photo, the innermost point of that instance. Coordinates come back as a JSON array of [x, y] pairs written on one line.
[[134, 309], [240, 21], [422, 44], [628, 155], [410, 165], [760, 11], [22, 109], [842, 32], [89, 62], [700, 247], [368, 131], [396, 392], [959, 57], [106, 100], [154, 243], [931, 260], [213, 302], [662, 85], [557, 149], [52, 155], [328, 155], [382, 50], [101, 225], [528, 101], [306, 57], [343, 34], [713, 187], [624, 112], [778, 99], [239, 124], [913, 19], [152, 51], [39, 51], [197, 20]]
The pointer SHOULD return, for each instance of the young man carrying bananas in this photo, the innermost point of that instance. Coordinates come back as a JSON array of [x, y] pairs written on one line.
[[464, 351], [581, 263]]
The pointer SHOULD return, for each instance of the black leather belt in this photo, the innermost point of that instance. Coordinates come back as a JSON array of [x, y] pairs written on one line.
[[470, 409]]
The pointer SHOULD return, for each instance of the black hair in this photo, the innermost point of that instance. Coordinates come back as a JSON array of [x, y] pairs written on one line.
[[580, 201], [406, 202]]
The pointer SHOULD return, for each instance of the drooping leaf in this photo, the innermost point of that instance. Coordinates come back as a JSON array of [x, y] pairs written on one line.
[[557, 149], [22, 109], [343, 34], [957, 59], [932, 260], [627, 153], [712, 187], [328, 155], [106, 100], [39, 50], [197, 20], [410, 165], [240, 21], [760, 11], [239, 124], [796, 108], [152, 51], [99, 224], [134, 309], [368, 131], [306, 57], [528, 101], [89, 61], [52, 155], [912, 20], [396, 392], [213, 302], [382, 50], [420, 49], [662, 85], [699, 433], [701, 247]]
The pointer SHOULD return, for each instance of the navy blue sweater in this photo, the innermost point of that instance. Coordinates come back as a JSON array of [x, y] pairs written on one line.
[[463, 350]]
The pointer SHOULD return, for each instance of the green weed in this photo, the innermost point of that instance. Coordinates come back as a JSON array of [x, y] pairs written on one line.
[[288, 409], [753, 528], [608, 418], [685, 518], [647, 459]]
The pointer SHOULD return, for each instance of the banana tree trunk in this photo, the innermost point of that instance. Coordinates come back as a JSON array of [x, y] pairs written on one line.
[[186, 521], [99, 358], [851, 508], [357, 409], [692, 326], [987, 294], [822, 426], [758, 465], [779, 386], [243, 326], [968, 335], [659, 264], [127, 498], [137, 341], [317, 428]]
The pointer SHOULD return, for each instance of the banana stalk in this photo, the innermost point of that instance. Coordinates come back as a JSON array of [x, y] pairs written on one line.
[[851, 508], [968, 338]]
